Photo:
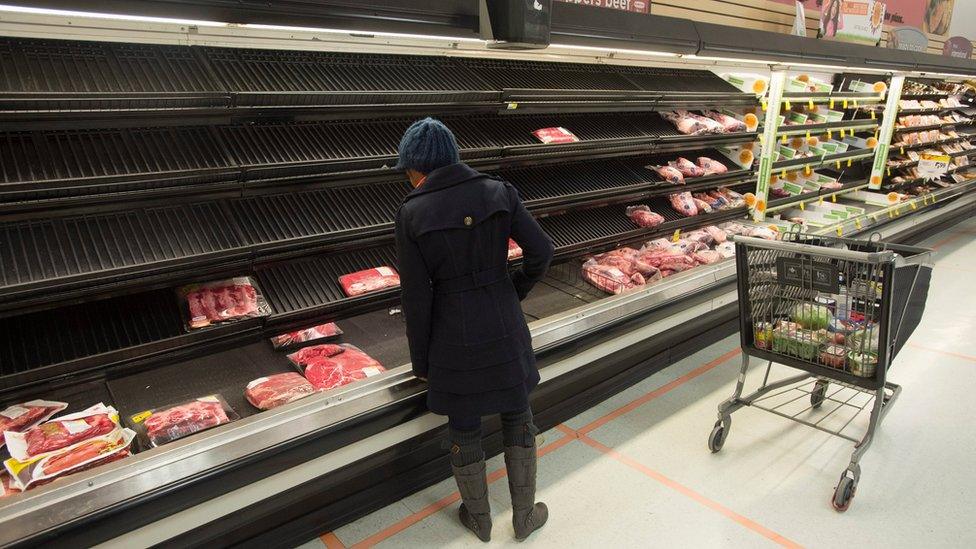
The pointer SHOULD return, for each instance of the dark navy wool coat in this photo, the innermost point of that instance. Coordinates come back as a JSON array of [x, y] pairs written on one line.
[[465, 326]]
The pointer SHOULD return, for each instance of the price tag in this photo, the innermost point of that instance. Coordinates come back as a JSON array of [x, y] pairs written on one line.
[[810, 104], [789, 106], [850, 162], [803, 206], [676, 236], [838, 164], [902, 149], [808, 135], [762, 139], [512, 106], [785, 139], [820, 201], [831, 102], [843, 133], [933, 166], [807, 170], [891, 214], [845, 103], [857, 223], [874, 115], [764, 106], [782, 174], [840, 230], [833, 198], [912, 204]]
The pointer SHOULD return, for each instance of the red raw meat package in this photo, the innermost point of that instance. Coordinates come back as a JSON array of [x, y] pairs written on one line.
[[162, 425], [642, 216], [514, 250], [669, 173], [322, 331], [555, 135], [219, 301], [711, 167], [610, 279], [270, 392], [330, 366], [7, 487], [62, 432], [23, 416], [687, 167], [684, 204], [80, 457], [369, 280]]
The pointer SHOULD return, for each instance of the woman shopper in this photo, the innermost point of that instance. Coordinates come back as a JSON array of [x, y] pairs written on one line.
[[467, 334]]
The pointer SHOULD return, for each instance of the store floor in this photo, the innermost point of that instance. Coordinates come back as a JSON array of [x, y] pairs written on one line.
[[634, 471]]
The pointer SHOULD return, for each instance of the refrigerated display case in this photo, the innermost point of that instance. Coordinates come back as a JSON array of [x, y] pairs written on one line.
[[130, 169]]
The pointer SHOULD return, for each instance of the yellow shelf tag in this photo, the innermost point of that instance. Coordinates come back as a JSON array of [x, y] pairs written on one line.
[[762, 138], [785, 138], [831, 103], [838, 164], [830, 134], [850, 162], [912, 204], [857, 223], [788, 105], [676, 236], [807, 170], [782, 174], [765, 106], [874, 115], [820, 201], [840, 230], [843, 133], [512, 106], [833, 198], [808, 135], [902, 150], [810, 104], [845, 103], [803, 206]]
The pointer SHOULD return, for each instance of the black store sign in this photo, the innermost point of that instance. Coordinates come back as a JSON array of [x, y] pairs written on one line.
[[806, 274]]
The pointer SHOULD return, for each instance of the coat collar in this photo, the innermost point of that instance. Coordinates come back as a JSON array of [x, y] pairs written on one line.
[[443, 178]]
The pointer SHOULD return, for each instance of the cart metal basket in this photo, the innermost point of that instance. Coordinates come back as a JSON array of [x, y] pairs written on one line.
[[838, 309]]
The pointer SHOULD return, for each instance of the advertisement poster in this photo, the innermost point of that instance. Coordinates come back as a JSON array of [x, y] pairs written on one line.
[[931, 16], [958, 46], [908, 38], [636, 6], [858, 21]]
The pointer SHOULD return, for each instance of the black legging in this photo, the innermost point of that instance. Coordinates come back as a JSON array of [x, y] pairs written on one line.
[[465, 432]]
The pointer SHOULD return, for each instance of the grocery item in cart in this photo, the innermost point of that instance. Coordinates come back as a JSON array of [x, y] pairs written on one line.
[[812, 316], [642, 216], [23, 416], [62, 432], [684, 204], [272, 391], [322, 331], [335, 365], [762, 335], [220, 301], [669, 173], [610, 279], [711, 167], [834, 356], [799, 343], [26, 474], [687, 167], [514, 250], [162, 425], [369, 280], [863, 364], [555, 135]]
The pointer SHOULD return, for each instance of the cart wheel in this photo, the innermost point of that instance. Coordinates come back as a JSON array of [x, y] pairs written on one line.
[[844, 493], [717, 438], [818, 394]]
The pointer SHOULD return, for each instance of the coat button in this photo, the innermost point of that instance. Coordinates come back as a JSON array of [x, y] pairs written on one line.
[[468, 221]]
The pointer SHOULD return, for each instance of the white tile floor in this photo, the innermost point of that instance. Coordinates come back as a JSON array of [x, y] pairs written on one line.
[[645, 477]]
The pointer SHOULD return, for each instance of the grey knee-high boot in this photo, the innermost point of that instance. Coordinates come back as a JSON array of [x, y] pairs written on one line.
[[472, 482], [527, 515]]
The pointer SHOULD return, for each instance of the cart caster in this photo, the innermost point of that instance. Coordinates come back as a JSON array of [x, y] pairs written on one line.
[[717, 438], [844, 493], [819, 394]]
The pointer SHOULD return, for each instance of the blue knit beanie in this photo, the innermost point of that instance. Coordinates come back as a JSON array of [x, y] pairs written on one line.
[[427, 145]]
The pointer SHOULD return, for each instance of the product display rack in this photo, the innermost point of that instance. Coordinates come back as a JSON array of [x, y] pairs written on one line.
[[275, 164]]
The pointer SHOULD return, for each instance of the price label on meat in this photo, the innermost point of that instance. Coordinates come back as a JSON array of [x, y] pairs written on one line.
[[933, 166]]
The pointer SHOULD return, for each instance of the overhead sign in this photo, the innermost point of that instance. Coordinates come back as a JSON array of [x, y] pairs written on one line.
[[958, 46], [858, 21], [931, 16], [636, 6], [908, 38]]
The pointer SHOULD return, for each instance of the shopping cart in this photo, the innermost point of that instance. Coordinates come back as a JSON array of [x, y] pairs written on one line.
[[838, 309]]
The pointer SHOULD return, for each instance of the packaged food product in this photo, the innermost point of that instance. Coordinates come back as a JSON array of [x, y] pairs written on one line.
[[91, 453], [330, 366], [762, 335], [7, 486], [23, 416], [800, 343], [687, 167], [272, 391], [63, 432], [812, 316], [369, 280], [218, 301], [684, 204], [159, 426], [322, 331], [642, 216], [555, 135], [669, 173], [834, 356], [514, 250], [863, 364]]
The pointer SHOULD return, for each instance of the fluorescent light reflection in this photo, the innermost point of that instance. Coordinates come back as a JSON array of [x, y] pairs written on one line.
[[359, 32], [113, 16]]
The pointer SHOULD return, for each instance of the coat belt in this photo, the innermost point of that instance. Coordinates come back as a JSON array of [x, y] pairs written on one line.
[[471, 281]]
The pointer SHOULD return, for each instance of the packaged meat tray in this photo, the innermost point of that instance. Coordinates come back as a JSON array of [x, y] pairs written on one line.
[[23, 416], [330, 366], [668, 173], [684, 204], [63, 432], [369, 280], [609, 278], [555, 135], [270, 392], [514, 250], [81, 457], [642, 216], [219, 301], [7, 486], [687, 167], [322, 331], [165, 424]]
